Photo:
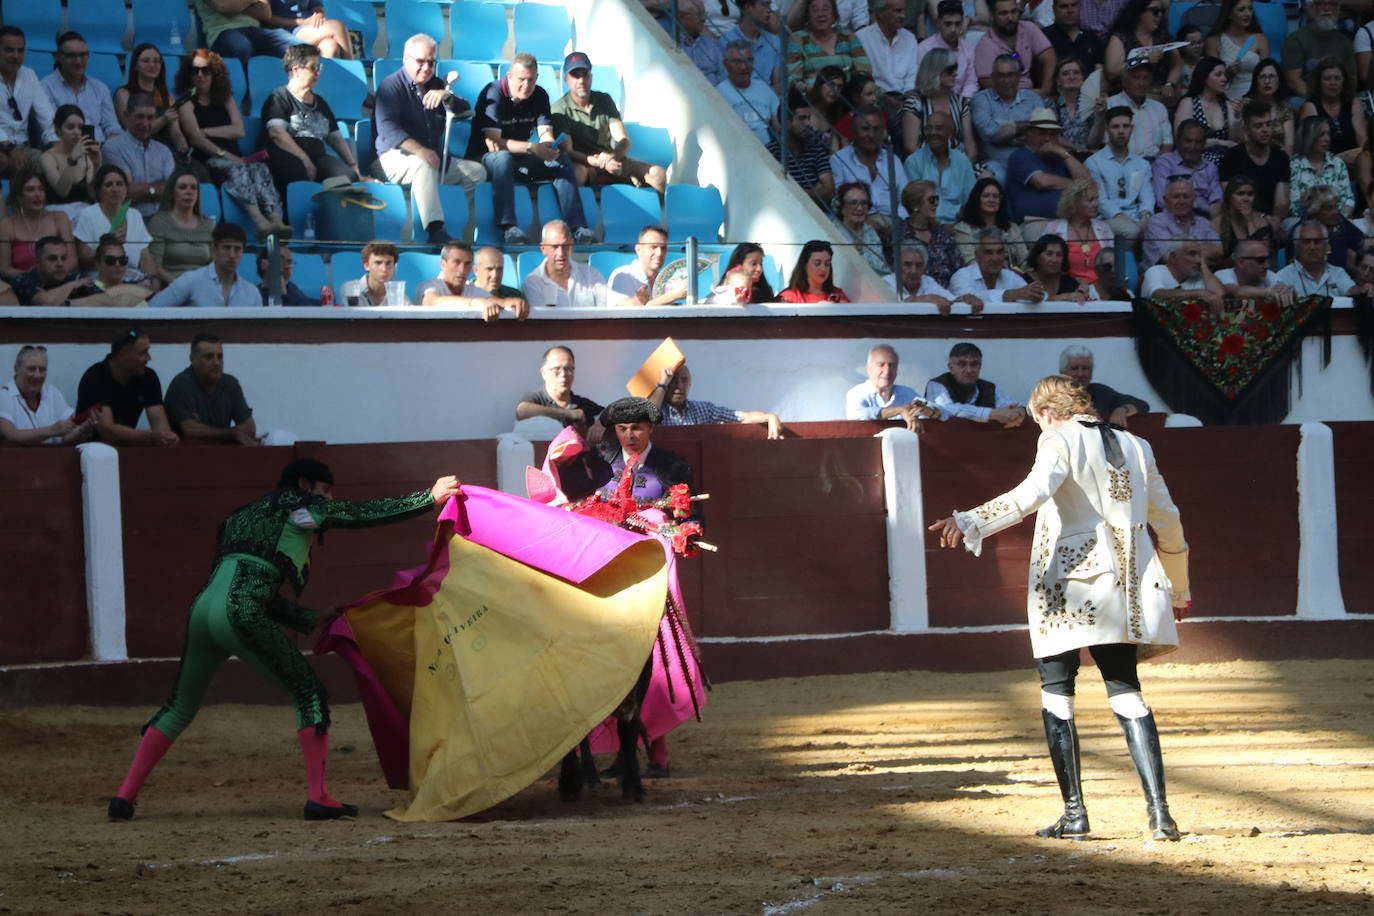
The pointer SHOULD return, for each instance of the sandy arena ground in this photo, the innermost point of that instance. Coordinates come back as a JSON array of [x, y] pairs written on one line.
[[877, 794]]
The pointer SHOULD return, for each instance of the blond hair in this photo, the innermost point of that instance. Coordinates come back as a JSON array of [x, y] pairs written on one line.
[[1072, 193], [1061, 396]]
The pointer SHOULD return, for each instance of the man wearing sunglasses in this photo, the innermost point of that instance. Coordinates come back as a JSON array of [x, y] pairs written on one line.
[[1251, 278], [27, 106], [69, 85]]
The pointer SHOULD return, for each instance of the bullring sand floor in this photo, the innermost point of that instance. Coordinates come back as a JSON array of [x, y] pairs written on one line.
[[874, 794]]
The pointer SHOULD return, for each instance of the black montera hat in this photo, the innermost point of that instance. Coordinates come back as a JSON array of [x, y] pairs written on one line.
[[631, 410]]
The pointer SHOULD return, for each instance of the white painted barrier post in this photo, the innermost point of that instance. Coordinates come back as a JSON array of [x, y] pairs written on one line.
[[906, 554], [514, 453], [104, 529], [1319, 574]]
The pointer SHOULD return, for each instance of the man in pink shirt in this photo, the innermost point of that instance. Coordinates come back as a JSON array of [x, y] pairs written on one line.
[[1023, 40], [950, 35]]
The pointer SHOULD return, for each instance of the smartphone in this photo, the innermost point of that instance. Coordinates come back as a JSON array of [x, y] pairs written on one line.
[[88, 130]]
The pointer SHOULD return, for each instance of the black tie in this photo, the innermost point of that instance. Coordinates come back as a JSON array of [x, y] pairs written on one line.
[[1109, 444]]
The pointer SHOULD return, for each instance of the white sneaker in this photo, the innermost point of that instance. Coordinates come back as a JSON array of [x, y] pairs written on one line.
[[516, 236]]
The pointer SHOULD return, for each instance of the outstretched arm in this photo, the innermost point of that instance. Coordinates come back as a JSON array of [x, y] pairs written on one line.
[[367, 513]]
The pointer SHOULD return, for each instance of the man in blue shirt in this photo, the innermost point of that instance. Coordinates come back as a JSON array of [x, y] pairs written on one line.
[[291, 293], [754, 101], [1038, 173], [510, 110], [409, 118], [1001, 113], [1123, 179], [754, 19], [69, 85], [948, 169], [881, 398], [218, 283], [701, 46]]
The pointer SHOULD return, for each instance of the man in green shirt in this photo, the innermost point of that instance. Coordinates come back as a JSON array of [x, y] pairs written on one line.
[[1308, 46], [238, 29], [595, 135]]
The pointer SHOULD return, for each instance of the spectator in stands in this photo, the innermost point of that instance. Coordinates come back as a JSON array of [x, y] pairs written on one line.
[[1038, 173], [32, 412], [813, 279], [860, 91], [53, 280], [850, 14], [213, 127], [671, 396], [699, 45], [1364, 273], [754, 101], [299, 123], [32, 112], [1002, 113], [237, 29], [1237, 39], [987, 277], [1206, 104], [821, 41], [758, 26], [1152, 133], [1097, 16], [69, 85], [1268, 87], [7, 296], [1022, 41], [869, 161], [808, 152], [111, 194], [1320, 204], [1183, 275], [1109, 288], [508, 112], [1251, 278], [1069, 39], [852, 217], [409, 142], [1188, 162], [70, 164], [891, 50], [1141, 24], [120, 388], [379, 266], [1311, 274], [1238, 218], [291, 293], [986, 208], [1258, 159], [1178, 221], [148, 75], [28, 221], [590, 122], [146, 162], [749, 257], [936, 92], [487, 274], [1083, 127], [203, 402], [1331, 95], [557, 399], [948, 169], [559, 280], [922, 202], [1076, 361], [182, 235], [1304, 49], [915, 285], [452, 290], [305, 20], [881, 398], [218, 283], [124, 285], [1082, 231], [1125, 189], [828, 104], [1314, 164], [1048, 266], [951, 35], [962, 392], [633, 284]]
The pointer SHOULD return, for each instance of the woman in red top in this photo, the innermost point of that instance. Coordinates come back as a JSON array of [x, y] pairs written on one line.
[[812, 279]]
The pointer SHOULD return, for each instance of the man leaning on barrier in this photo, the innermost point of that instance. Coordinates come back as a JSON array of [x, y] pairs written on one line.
[[962, 391]]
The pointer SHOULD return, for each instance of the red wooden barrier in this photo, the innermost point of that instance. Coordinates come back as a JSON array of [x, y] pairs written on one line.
[[1354, 447]]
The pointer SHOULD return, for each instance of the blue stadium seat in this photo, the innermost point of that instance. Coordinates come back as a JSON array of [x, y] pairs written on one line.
[[41, 23], [363, 149], [238, 87], [357, 16], [265, 74], [1273, 22], [549, 209], [454, 200], [298, 204], [1132, 272], [458, 135], [526, 263], [344, 266], [649, 144], [101, 22], [405, 18], [694, 211], [308, 272], [392, 219], [479, 30], [543, 30], [487, 233], [415, 267], [343, 84], [106, 68], [473, 77], [606, 79], [252, 133], [153, 23], [383, 67], [608, 261], [625, 210], [231, 212], [209, 201]]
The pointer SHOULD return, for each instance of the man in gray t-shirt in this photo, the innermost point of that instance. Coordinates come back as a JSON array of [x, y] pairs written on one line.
[[204, 403]]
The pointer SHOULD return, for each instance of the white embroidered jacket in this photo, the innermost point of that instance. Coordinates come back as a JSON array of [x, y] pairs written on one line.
[[1095, 577]]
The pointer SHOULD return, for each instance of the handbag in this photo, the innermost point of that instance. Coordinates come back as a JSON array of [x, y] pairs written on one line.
[[345, 212]]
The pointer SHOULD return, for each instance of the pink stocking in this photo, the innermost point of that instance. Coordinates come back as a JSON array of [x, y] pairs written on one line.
[[658, 751], [315, 748], [151, 748]]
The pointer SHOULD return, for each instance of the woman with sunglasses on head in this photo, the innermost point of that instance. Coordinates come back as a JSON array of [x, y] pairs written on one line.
[[32, 412], [1237, 39], [935, 92], [1141, 25], [70, 164], [148, 74], [111, 214], [1267, 84], [213, 127], [28, 221], [114, 277], [300, 126], [852, 205], [181, 233]]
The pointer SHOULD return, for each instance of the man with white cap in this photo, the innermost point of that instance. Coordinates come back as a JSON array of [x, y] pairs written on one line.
[[1038, 173], [595, 135]]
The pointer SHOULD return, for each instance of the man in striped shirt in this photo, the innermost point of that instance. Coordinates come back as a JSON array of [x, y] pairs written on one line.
[[670, 394]]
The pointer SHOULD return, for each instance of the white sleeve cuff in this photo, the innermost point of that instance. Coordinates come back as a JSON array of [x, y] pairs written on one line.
[[973, 538]]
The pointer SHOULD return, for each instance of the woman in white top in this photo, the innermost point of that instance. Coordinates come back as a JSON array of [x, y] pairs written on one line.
[[111, 193], [1236, 39], [32, 412]]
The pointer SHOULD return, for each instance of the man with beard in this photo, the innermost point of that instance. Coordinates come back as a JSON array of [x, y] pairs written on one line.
[[633, 284], [808, 152], [961, 392], [1305, 48], [1023, 40]]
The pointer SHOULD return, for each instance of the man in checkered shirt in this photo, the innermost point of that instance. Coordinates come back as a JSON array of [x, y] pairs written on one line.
[[670, 394]]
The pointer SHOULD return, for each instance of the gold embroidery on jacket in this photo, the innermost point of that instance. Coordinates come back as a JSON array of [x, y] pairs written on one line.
[[1119, 485], [1123, 545], [1053, 611]]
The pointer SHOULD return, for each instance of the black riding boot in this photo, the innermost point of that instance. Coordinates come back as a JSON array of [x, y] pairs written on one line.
[[1143, 740], [1062, 738]]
